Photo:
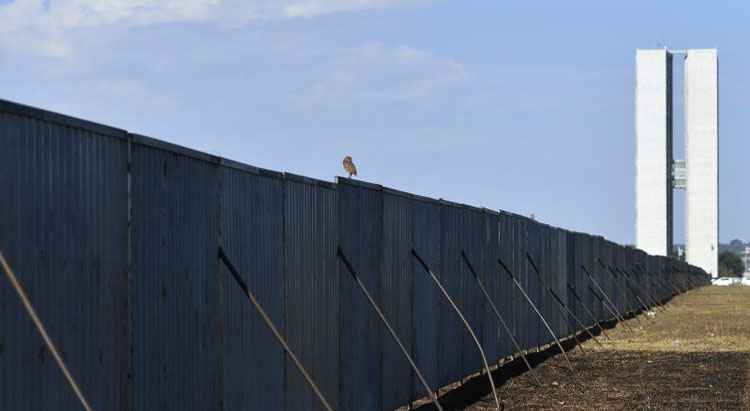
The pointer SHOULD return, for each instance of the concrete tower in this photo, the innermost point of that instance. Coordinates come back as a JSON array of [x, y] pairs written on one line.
[[653, 119], [658, 174]]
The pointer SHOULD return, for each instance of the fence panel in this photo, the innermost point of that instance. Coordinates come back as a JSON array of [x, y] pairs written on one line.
[[427, 318], [312, 284], [533, 283], [252, 228], [399, 279], [505, 296], [542, 297], [471, 236], [63, 229], [451, 329], [558, 272], [526, 320], [363, 335], [495, 340], [576, 276], [175, 226]]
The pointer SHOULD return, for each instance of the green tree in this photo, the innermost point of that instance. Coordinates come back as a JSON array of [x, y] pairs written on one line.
[[730, 265]]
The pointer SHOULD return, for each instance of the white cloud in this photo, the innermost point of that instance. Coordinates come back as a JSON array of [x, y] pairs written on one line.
[[47, 28], [377, 72], [309, 8]]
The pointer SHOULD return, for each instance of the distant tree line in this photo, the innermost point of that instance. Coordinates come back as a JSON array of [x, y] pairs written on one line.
[[730, 265], [731, 257]]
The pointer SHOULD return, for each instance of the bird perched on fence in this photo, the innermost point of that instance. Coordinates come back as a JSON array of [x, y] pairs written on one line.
[[349, 166]]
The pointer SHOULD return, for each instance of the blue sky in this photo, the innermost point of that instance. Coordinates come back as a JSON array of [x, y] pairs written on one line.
[[518, 105]]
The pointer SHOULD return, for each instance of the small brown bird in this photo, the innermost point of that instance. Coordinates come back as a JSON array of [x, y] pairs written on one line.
[[349, 166]]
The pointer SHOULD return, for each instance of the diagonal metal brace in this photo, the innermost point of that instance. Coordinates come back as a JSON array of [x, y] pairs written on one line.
[[559, 301], [463, 319], [588, 312], [615, 275], [375, 307], [633, 289], [603, 302], [269, 323], [536, 310], [606, 297], [626, 303], [645, 292], [43, 332], [500, 318]]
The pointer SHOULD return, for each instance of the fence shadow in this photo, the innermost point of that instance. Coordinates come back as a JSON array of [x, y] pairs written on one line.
[[475, 387], [664, 380]]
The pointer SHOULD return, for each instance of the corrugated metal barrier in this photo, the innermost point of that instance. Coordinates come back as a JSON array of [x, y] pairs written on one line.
[[115, 238]]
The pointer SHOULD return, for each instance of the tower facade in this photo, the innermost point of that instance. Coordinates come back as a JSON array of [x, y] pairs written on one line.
[[658, 173]]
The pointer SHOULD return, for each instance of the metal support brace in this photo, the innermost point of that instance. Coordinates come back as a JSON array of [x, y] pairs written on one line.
[[536, 310], [601, 290], [669, 287], [615, 278], [463, 319], [635, 289], [662, 287], [375, 307], [677, 290], [560, 302], [665, 288], [632, 290], [500, 318], [643, 290], [649, 294], [666, 284], [43, 332], [270, 325], [588, 312], [650, 279], [603, 302]]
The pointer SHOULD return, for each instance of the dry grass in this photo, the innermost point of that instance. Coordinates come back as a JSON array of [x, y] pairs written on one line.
[[712, 319], [692, 355]]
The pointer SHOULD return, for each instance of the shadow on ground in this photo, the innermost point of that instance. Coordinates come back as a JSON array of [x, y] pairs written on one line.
[[695, 355], [613, 380]]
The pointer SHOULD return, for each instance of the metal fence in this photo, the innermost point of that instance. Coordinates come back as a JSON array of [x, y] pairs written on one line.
[[115, 238]]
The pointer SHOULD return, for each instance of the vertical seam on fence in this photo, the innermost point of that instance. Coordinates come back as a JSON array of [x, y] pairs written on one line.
[[220, 320], [381, 271], [285, 276], [129, 388], [412, 297]]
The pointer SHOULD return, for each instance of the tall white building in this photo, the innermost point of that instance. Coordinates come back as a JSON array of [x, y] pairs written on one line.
[[658, 173]]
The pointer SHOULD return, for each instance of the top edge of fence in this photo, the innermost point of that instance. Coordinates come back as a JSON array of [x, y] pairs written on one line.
[[450, 203], [263, 172], [411, 196], [358, 183], [174, 148], [309, 180], [18, 109], [490, 211]]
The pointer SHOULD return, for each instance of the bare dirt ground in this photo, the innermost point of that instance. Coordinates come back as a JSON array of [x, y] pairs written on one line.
[[692, 355]]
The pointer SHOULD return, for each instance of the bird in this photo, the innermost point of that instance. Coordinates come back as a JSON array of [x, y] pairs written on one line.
[[349, 166]]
